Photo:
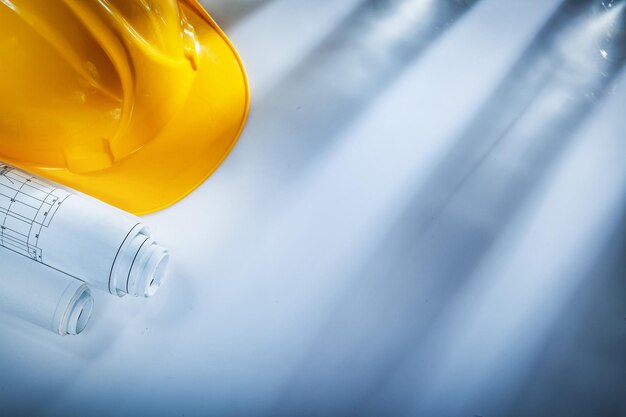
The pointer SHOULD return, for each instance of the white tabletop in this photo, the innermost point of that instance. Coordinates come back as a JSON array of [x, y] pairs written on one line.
[[307, 278]]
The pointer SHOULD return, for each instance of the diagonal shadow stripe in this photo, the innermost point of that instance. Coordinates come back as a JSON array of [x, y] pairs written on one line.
[[468, 200], [355, 63], [499, 160], [584, 356]]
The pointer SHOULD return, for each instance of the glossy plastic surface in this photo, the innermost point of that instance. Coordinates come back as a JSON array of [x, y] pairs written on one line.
[[133, 102]]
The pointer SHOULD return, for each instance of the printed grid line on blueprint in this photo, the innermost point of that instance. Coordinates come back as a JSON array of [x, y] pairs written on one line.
[[27, 206]]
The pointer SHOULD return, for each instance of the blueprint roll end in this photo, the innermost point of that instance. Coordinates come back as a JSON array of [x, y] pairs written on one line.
[[78, 312], [156, 270], [141, 265], [149, 271]]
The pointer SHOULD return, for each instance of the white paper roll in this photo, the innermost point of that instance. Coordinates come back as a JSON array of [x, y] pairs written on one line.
[[43, 296], [83, 237]]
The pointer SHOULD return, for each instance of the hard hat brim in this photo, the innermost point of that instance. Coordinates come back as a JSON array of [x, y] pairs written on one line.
[[191, 146]]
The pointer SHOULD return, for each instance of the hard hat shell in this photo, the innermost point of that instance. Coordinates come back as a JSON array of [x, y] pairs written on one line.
[[135, 102]]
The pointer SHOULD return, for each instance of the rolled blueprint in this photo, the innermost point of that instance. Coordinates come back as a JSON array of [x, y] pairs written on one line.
[[43, 296], [80, 236]]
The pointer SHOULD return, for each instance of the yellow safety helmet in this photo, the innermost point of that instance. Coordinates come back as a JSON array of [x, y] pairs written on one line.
[[135, 102]]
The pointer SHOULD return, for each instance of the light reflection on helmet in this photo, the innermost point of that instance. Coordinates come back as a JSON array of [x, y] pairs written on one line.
[[135, 102]]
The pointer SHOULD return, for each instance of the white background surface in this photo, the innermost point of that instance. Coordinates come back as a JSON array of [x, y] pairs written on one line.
[[270, 309]]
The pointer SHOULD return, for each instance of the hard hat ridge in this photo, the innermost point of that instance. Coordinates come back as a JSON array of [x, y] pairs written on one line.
[[102, 95]]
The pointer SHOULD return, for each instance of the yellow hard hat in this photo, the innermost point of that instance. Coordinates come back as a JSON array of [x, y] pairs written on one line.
[[135, 102]]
